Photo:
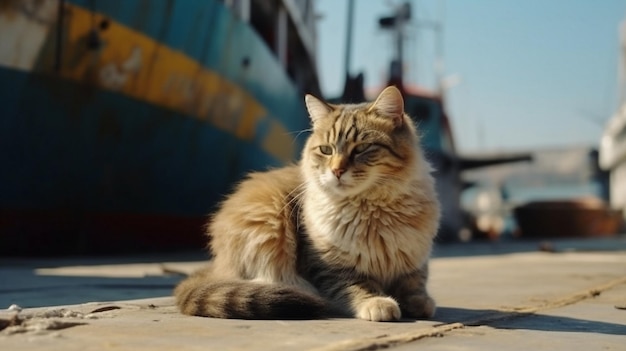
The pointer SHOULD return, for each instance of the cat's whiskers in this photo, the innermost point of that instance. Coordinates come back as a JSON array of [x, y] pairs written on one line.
[[295, 196], [298, 133]]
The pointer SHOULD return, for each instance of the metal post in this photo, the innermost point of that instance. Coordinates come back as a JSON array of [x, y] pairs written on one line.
[[281, 36], [348, 53], [59, 34]]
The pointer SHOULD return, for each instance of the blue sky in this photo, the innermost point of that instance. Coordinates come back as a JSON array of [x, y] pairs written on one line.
[[533, 73]]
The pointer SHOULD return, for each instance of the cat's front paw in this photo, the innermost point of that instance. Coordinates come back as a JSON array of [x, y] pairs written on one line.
[[379, 309], [419, 306]]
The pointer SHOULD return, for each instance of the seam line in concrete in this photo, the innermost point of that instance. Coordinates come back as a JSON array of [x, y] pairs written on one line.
[[571, 299]]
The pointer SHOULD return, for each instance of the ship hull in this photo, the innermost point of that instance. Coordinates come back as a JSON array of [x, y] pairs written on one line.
[[128, 146]]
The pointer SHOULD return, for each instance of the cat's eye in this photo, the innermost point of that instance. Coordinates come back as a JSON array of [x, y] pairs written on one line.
[[362, 147], [326, 150]]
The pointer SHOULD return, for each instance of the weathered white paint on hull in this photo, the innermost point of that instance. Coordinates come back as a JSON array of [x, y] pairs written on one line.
[[24, 26]]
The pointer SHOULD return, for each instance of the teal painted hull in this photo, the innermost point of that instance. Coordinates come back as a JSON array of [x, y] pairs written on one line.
[[88, 169]]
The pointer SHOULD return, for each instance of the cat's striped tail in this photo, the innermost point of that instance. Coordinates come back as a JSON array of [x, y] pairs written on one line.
[[241, 299]]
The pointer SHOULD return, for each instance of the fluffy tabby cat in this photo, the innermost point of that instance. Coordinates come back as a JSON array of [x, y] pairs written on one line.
[[348, 231]]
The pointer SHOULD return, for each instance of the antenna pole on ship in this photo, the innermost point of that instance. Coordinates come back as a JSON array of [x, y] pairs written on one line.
[[348, 53], [396, 23], [353, 89]]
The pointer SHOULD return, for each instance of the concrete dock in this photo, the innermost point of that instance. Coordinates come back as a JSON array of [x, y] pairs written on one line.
[[557, 295]]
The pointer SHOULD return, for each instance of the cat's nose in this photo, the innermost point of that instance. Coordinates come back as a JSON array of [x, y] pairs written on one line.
[[338, 172]]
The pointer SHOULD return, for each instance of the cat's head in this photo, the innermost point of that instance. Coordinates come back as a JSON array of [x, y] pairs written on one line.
[[360, 148]]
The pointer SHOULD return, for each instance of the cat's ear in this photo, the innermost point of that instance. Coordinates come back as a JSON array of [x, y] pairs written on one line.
[[316, 107], [390, 104]]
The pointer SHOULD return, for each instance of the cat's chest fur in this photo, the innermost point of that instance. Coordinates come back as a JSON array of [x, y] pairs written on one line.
[[380, 238]]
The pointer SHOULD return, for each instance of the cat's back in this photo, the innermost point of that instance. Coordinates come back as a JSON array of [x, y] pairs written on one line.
[[256, 221], [260, 195]]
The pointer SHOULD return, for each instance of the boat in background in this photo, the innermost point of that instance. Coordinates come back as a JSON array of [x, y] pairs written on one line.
[[124, 122], [581, 217]]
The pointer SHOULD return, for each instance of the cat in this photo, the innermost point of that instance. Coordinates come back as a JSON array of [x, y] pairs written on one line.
[[346, 232]]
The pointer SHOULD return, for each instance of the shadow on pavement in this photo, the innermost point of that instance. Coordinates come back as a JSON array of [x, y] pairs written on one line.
[[528, 321], [56, 291]]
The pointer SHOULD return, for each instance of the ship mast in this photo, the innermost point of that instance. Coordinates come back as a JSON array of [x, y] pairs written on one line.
[[396, 23], [353, 89], [348, 53], [622, 65]]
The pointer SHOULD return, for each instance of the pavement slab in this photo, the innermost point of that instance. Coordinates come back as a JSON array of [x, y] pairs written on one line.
[[567, 299], [594, 323]]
